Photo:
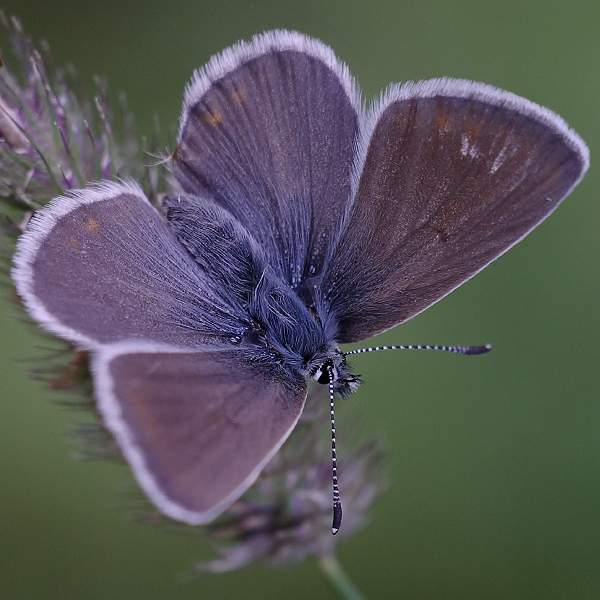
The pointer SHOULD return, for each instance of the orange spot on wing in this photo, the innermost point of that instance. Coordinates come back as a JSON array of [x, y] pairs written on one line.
[[93, 225], [239, 96], [145, 419], [212, 118], [443, 122], [473, 128], [446, 122]]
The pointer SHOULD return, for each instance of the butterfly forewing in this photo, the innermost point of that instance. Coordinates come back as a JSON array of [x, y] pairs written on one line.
[[196, 427], [268, 131], [454, 174]]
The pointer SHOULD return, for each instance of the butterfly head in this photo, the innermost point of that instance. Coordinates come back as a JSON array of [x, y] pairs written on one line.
[[331, 367]]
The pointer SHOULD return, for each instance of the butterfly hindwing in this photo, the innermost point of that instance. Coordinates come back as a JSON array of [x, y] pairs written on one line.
[[102, 265], [268, 131]]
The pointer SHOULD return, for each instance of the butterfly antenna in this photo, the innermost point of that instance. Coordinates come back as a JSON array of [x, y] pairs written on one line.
[[455, 349], [337, 505]]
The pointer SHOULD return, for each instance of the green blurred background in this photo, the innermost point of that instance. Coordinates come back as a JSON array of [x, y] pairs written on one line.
[[494, 461]]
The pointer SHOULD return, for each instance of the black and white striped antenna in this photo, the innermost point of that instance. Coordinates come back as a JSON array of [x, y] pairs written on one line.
[[337, 505], [455, 349]]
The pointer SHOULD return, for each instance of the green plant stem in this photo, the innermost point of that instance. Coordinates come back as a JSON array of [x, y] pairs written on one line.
[[338, 578]]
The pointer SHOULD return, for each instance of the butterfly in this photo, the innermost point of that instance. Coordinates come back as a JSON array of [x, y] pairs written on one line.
[[299, 221]]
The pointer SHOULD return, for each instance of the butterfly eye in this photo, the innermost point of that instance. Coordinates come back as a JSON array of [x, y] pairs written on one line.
[[323, 377], [325, 373]]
